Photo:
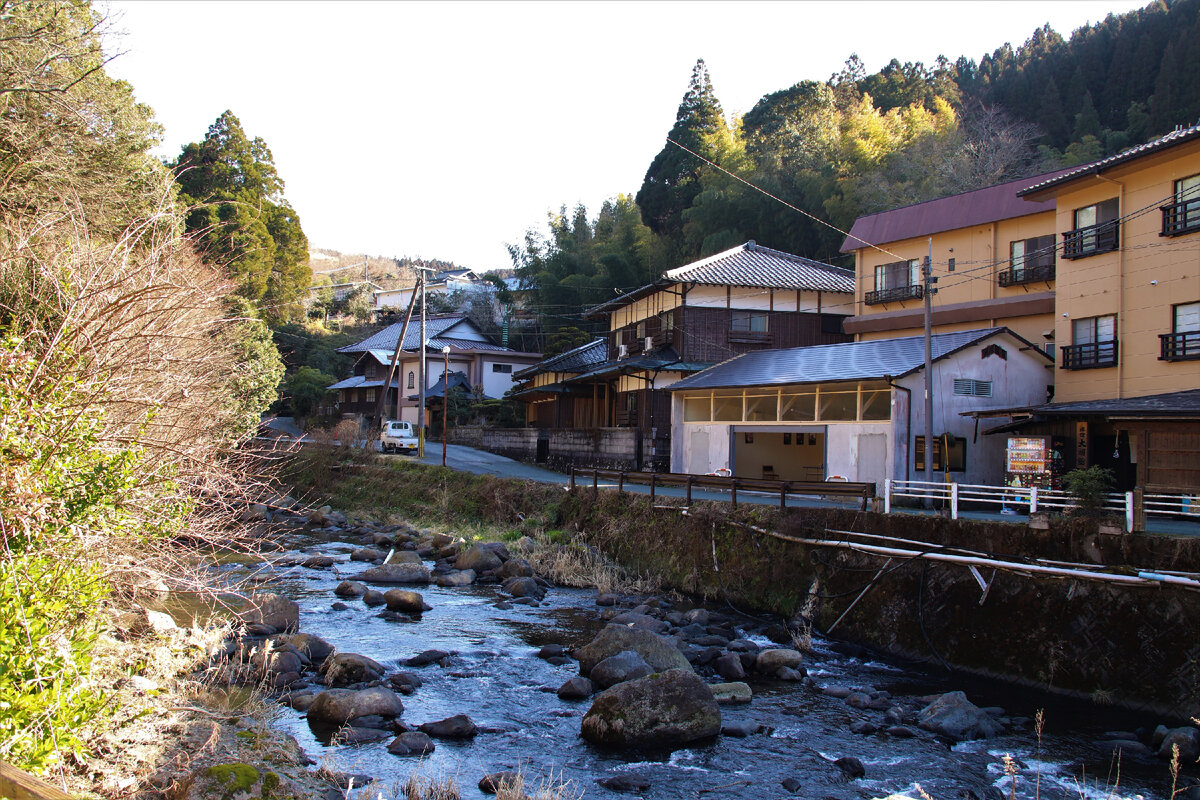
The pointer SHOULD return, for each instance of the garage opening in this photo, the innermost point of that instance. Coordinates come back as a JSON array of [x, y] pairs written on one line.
[[794, 455]]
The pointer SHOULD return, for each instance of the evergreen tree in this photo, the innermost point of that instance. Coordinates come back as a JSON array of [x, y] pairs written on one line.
[[673, 179], [240, 220]]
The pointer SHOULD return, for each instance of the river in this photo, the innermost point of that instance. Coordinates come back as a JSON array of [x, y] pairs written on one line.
[[496, 678]]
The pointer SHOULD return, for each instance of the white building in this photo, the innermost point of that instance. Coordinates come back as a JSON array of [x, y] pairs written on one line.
[[855, 410]]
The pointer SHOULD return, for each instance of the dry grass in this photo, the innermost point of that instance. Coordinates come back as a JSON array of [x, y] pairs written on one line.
[[579, 566], [548, 788]]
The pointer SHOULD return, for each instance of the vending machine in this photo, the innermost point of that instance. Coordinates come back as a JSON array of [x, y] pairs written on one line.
[[1034, 461]]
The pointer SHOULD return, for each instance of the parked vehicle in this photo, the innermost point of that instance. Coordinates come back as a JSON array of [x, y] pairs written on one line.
[[398, 436]]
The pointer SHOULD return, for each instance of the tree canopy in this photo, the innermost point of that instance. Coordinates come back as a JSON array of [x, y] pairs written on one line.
[[240, 219]]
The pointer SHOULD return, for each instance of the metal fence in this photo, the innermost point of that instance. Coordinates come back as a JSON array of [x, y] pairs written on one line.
[[1134, 505]]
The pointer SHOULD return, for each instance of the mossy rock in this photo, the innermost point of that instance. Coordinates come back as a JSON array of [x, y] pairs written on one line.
[[238, 781]]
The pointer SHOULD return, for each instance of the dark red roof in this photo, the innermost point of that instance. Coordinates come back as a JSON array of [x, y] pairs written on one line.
[[979, 207]]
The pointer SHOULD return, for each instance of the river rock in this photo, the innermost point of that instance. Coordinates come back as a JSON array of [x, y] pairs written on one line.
[[661, 710], [272, 610], [733, 692], [459, 726], [496, 781], [459, 577], [631, 619], [404, 600], [345, 669], [624, 666], [729, 667], [354, 734], [340, 706], [426, 657], [524, 587], [515, 568], [851, 767], [479, 559], [576, 688], [768, 662], [350, 589], [658, 651], [318, 562], [394, 573], [373, 598], [411, 743], [404, 682], [624, 783], [1186, 739], [699, 616], [404, 557], [954, 716], [367, 554]]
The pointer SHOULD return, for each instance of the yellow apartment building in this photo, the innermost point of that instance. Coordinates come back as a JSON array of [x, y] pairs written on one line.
[[993, 259]]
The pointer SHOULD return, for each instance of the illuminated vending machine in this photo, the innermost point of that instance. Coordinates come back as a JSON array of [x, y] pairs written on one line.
[[1033, 461]]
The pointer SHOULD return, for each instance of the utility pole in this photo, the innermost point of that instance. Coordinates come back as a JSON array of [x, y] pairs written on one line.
[[927, 282], [387, 384], [421, 371], [445, 397]]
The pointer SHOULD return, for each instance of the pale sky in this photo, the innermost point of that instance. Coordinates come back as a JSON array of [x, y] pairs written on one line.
[[447, 129]]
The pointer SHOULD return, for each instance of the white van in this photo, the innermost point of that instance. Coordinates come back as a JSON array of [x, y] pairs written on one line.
[[398, 435]]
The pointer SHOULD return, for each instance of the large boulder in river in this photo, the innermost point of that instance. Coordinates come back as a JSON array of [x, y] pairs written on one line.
[[479, 558], [344, 669], [314, 648], [769, 662], [663, 710], [340, 706], [405, 600], [394, 573], [272, 610], [658, 651], [954, 716]]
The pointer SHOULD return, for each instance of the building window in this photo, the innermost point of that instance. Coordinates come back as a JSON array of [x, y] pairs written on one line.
[[832, 323], [369, 372], [1096, 230], [748, 322], [505, 369], [412, 379], [1029, 260], [899, 280], [666, 322], [969, 387], [1182, 215], [1093, 343], [1183, 342], [865, 401], [370, 398], [956, 447]]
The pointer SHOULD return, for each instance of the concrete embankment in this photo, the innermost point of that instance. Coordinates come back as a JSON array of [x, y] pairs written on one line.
[[1062, 608]]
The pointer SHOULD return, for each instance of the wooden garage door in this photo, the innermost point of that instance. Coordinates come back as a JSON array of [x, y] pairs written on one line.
[[1173, 459]]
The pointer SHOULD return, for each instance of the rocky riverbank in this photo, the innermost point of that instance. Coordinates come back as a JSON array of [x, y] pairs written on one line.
[[658, 673]]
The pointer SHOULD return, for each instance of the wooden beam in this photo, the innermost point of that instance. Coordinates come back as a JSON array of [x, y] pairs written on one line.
[[18, 785]]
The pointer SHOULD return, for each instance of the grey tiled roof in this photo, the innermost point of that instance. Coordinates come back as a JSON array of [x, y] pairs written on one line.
[[749, 264], [1173, 403], [386, 338], [832, 362], [1163, 142], [752, 264], [359, 382], [576, 359]]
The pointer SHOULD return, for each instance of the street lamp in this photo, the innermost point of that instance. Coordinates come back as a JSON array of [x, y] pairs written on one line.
[[445, 397]]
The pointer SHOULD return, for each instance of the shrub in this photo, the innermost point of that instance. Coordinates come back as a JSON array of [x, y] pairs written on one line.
[[1089, 486]]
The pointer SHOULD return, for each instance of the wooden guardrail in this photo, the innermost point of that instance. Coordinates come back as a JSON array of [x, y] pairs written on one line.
[[18, 785], [785, 489]]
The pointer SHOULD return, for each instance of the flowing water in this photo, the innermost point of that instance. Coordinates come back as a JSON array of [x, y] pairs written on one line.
[[496, 679]]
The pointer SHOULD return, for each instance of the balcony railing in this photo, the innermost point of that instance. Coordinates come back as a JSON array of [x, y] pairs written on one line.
[[1090, 356], [1183, 346], [1016, 277], [1092, 240], [894, 295], [1180, 218]]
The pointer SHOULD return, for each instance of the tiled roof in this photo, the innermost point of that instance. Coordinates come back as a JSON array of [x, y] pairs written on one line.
[[359, 382], [1173, 403], [891, 358], [749, 264], [978, 207], [386, 338], [576, 359], [665, 359], [1172, 139]]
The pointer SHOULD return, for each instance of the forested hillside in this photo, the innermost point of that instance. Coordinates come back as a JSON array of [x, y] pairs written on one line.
[[829, 151]]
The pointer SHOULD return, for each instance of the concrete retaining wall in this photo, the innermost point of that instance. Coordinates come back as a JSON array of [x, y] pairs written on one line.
[[561, 448]]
